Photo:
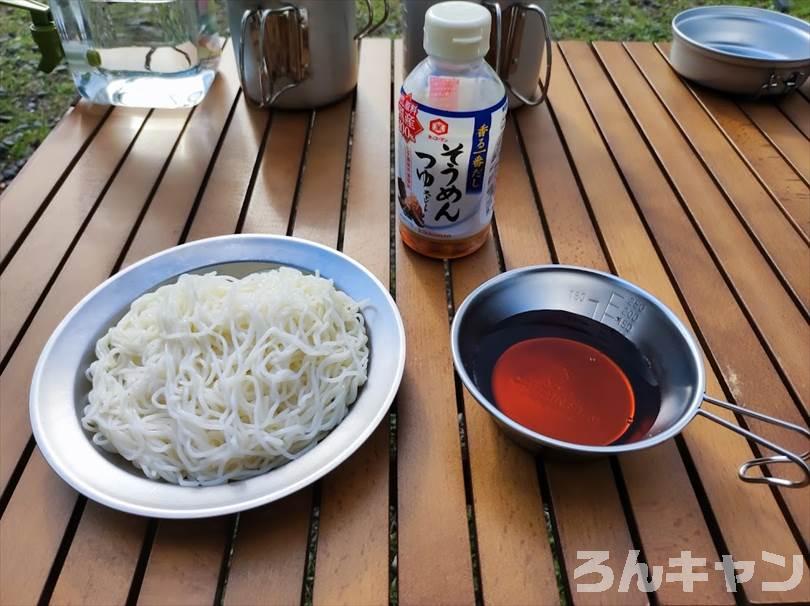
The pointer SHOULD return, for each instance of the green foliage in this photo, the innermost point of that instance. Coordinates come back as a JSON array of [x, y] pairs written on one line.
[[30, 102], [634, 19]]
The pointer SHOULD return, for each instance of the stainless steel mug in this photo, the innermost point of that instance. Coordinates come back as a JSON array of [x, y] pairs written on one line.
[[520, 37], [297, 54]]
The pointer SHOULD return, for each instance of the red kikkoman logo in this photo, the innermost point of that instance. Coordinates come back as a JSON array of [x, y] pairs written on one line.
[[409, 125], [438, 127]]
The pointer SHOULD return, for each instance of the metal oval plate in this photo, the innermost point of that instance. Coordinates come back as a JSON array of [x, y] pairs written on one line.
[[59, 386], [751, 36]]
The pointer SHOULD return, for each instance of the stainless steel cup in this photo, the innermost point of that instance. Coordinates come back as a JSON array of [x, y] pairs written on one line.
[[520, 39], [668, 348], [298, 54]]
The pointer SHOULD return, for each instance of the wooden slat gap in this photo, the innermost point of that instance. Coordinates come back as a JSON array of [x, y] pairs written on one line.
[[240, 221], [301, 172], [553, 533], [150, 196], [46, 289], [716, 181], [792, 118], [660, 48], [44, 205], [211, 163], [308, 580], [227, 554], [478, 590], [143, 560], [396, 61], [61, 553], [538, 202], [16, 474], [344, 196]]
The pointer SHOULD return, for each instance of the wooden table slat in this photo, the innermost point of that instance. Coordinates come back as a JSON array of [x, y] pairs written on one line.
[[434, 563], [352, 557], [272, 197], [777, 318], [723, 325], [775, 173], [90, 262], [100, 566], [731, 500], [582, 522], [797, 110], [666, 509], [173, 202], [270, 554], [47, 166], [513, 547], [31, 531], [184, 562], [787, 250], [782, 133], [51, 236], [85, 268], [320, 193]]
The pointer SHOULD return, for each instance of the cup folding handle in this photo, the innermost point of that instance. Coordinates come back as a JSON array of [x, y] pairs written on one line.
[[519, 13], [371, 27], [784, 456], [283, 49]]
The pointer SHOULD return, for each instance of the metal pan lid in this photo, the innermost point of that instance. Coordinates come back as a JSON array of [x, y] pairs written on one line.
[[744, 35]]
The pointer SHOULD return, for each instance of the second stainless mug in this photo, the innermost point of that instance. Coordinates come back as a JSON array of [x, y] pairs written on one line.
[[297, 54], [516, 46]]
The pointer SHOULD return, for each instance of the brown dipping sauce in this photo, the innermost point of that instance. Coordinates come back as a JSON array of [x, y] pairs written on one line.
[[568, 377]]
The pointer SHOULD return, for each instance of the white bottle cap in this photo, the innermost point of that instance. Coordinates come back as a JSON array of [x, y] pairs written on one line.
[[457, 31]]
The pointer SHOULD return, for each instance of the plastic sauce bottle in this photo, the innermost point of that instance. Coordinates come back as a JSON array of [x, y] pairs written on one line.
[[452, 112]]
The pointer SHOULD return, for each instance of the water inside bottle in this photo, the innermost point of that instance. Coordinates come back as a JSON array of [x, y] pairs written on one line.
[[141, 53]]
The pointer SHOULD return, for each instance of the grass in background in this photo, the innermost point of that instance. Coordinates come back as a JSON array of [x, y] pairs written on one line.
[[638, 19], [32, 102]]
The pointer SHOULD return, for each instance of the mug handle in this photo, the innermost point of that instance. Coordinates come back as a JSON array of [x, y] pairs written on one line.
[[784, 456], [372, 27], [294, 57], [519, 13]]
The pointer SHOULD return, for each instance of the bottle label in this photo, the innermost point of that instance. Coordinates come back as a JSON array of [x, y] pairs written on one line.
[[446, 167]]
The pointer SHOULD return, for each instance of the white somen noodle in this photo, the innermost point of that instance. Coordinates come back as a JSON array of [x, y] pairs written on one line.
[[214, 378]]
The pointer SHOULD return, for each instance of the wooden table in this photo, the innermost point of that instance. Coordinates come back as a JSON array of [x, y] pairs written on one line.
[[700, 199]]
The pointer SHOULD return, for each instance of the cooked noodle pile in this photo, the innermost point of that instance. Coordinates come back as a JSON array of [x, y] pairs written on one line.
[[215, 378]]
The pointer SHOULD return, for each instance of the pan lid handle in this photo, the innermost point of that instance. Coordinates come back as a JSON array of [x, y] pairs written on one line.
[[784, 456]]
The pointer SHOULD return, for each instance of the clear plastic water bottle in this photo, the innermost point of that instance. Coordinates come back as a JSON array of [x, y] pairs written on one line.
[[452, 112]]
